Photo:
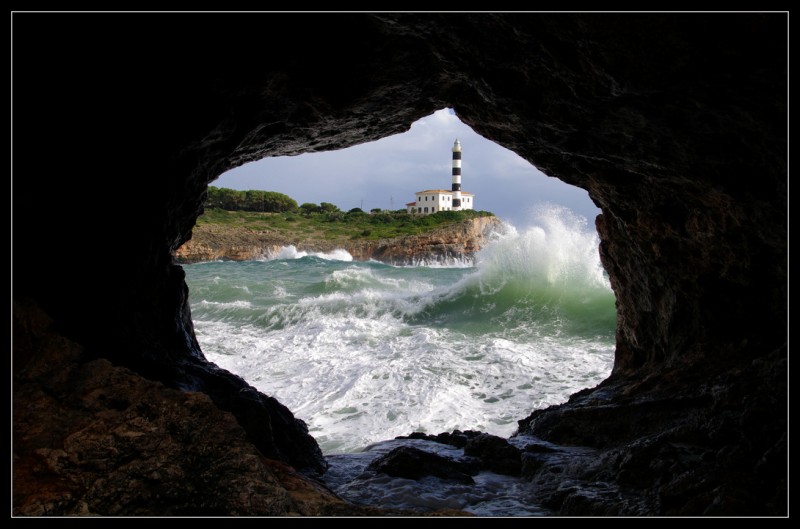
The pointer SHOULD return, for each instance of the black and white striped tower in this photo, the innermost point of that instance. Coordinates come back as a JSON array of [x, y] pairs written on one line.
[[456, 175]]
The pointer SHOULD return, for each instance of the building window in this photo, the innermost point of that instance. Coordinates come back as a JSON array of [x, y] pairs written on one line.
[[433, 209]]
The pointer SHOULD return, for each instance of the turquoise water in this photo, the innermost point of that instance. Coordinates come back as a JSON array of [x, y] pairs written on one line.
[[364, 351]]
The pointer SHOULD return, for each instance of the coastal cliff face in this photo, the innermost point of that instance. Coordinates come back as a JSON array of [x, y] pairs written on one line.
[[457, 242], [216, 243], [452, 243], [675, 124]]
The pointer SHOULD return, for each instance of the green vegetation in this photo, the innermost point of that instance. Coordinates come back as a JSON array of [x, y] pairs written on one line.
[[265, 201], [326, 221]]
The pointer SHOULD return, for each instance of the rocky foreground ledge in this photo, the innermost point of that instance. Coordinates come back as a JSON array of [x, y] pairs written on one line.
[[456, 242], [93, 438]]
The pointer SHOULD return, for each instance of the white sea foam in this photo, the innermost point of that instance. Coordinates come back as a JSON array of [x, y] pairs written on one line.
[[558, 250], [291, 252], [359, 380], [239, 304]]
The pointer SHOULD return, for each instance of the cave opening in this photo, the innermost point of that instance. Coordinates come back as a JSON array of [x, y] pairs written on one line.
[[365, 349], [677, 126]]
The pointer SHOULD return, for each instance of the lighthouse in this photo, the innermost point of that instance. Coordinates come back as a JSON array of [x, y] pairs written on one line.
[[456, 175], [432, 201]]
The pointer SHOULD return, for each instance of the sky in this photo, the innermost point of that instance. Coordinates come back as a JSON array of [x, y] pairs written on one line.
[[386, 173]]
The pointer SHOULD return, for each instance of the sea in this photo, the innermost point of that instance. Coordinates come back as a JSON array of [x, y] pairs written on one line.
[[365, 351]]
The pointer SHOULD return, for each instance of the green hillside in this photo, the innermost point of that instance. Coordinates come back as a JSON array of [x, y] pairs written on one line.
[[336, 225]]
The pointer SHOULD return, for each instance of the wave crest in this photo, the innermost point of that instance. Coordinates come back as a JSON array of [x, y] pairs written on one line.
[[291, 252]]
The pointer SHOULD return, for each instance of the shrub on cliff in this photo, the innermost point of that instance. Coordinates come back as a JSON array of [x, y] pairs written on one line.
[[253, 200]]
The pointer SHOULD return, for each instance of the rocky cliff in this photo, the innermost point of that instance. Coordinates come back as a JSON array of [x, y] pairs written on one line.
[[456, 242], [675, 124]]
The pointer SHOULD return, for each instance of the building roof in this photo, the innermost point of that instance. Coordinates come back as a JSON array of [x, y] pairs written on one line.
[[444, 191], [411, 204]]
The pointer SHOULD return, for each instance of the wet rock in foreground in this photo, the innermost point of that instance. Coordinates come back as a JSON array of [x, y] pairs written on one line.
[[413, 463]]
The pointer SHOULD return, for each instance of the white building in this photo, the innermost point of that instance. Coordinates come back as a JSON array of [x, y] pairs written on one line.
[[435, 200]]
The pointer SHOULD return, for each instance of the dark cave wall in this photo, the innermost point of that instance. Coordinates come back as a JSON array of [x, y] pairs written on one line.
[[675, 124]]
